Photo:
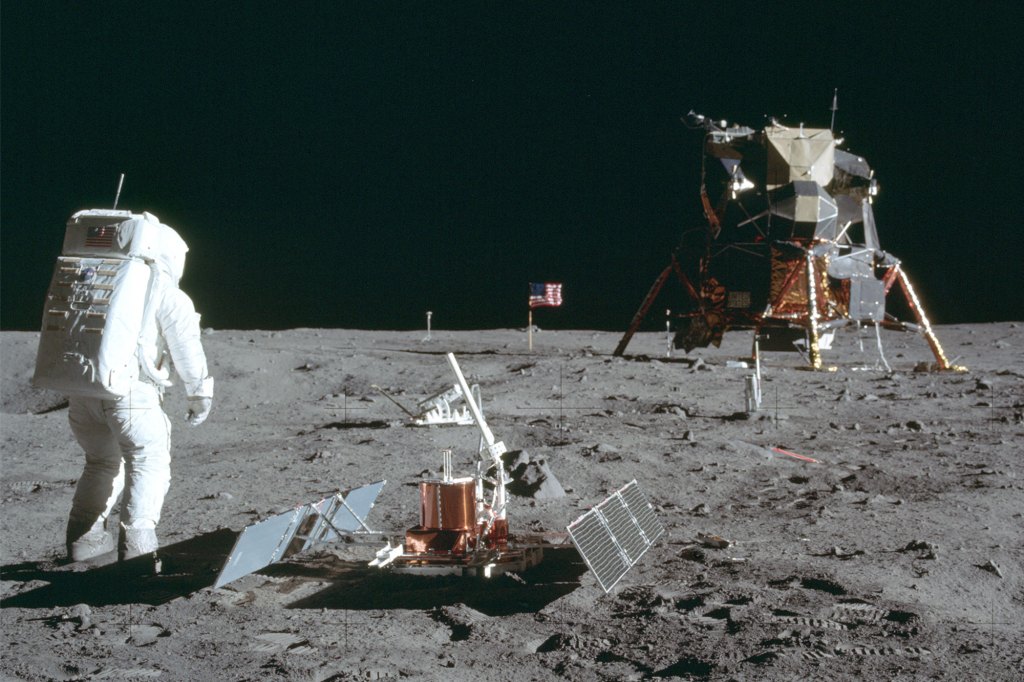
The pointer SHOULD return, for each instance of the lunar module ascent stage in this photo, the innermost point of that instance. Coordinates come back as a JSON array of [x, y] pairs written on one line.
[[464, 525], [789, 246]]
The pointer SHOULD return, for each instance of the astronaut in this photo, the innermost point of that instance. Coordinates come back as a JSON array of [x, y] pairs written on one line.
[[127, 440]]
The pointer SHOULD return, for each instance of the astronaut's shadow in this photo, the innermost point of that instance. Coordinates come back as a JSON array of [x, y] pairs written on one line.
[[187, 566]]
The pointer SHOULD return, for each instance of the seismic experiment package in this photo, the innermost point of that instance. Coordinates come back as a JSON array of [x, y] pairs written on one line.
[[463, 528]]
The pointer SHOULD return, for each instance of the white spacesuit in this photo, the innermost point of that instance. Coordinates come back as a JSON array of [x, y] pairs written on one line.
[[127, 439]]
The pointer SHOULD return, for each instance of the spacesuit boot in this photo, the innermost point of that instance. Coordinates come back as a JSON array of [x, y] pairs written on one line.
[[136, 542], [88, 540], [136, 550]]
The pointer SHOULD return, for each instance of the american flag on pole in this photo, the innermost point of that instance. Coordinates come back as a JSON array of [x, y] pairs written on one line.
[[100, 237], [545, 294]]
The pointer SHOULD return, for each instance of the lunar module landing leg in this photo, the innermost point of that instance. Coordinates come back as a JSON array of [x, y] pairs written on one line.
[[649, 299], [941, 363]]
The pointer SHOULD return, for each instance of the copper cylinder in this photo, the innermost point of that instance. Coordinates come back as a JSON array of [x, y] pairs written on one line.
[[448, 505]]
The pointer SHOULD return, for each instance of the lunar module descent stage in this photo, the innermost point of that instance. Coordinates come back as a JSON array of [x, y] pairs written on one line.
[[462, 531], [789, 248]]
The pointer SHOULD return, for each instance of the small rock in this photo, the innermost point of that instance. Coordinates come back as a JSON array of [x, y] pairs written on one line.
[[693, 554], [700, 510], [320, 454], [915, 545], [559, 642], [532, 477], [144, 635], [79, 611], [991, 567], [80, 614], [713, 541]]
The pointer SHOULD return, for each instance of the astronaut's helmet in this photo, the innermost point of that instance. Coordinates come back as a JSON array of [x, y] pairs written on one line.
[[170, 254]]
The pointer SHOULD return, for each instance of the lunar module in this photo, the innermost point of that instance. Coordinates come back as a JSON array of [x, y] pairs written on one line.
[[463, 527], [789, 246]]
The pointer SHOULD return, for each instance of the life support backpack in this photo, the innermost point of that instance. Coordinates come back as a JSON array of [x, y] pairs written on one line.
[[99, 303]]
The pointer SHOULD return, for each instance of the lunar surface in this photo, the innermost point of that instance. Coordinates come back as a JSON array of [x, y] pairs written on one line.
[[863, 524]]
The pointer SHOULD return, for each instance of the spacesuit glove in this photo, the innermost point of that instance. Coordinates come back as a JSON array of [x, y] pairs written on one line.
[[198, 409]]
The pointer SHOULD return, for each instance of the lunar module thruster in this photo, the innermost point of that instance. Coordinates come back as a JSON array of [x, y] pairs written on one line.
[[463, 527], [789, 246]]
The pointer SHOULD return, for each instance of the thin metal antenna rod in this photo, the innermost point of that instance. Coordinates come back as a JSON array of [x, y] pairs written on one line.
[[120, 183], [834, 108], [474, 409], [392, 399]]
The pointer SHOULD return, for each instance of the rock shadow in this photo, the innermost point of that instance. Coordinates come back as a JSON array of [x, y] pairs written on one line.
[[418, 351], [356, 424]]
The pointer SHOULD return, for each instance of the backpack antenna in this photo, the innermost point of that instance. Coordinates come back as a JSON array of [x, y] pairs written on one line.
[[120, 183]]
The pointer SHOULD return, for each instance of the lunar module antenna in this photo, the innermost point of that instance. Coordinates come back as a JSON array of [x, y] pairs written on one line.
[[120, 183], [834, 108]]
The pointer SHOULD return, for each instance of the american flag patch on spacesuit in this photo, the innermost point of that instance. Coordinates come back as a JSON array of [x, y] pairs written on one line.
[[100, 237]]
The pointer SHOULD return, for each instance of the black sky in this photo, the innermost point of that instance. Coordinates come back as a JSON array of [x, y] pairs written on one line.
[[342, 164]]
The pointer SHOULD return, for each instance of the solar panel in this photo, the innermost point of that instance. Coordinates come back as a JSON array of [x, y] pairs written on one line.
[[613, 536], [297, 530], [596, 545], [642, 511], [623, 528]]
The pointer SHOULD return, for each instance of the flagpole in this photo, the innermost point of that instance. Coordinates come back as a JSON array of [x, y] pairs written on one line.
[[529, 329]]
